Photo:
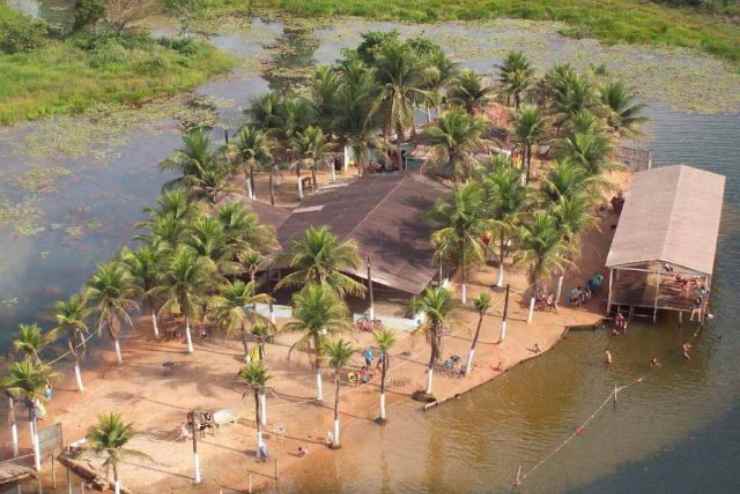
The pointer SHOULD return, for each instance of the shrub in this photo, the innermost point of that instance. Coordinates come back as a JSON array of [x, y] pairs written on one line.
[[20, 33], [88, 12], [108, 53]]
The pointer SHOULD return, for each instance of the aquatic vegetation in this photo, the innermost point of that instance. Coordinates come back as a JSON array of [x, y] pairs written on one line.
[[24, 218], [40, 179]]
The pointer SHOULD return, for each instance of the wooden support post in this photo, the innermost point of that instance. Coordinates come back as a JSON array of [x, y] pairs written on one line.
[[609, 299], [370, 289], [657, 295], [196, 459], [69, 481]]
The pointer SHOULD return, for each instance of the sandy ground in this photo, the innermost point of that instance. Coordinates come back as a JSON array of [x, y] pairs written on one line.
[[157, 403]]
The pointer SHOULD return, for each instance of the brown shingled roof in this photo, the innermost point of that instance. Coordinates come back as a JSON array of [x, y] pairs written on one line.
[[384, 214], [671, 214]]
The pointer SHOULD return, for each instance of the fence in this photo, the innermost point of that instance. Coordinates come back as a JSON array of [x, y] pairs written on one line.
[[391, 322], [281, 311], [634, 158]]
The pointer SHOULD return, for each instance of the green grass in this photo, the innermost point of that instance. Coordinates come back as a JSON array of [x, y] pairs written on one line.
[[611, 21], [63, 77]]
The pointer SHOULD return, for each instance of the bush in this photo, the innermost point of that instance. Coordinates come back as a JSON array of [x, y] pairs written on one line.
[[108, 53], [20, 33], [88, 12]]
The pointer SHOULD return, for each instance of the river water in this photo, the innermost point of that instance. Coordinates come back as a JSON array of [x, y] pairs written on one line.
[[676, 431]]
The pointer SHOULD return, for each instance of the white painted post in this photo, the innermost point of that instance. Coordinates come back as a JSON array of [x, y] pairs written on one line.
[[346, 159], [464, 294], [469, 364], [78, 377], [117, 487], [188, 336], [35, 443], [196, 459], [382, 406], [560, 290], [500, 277], [319, 385], [430, 373], [531, 310], [250, 194], [300, 188], [155, 325], [502, 335], [69, 481], [333, 172]]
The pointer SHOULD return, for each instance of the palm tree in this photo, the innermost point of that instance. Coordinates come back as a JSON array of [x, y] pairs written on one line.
[[111, 292], [71, 318], [266, 112], [469, 91], [26, 381], [324, 87], [591, 151], [624, 116], [357, 102], [255, 375], [542, 247], [184, 286], [481, 303], [233, 308], [196, 155], [252, 261], [573, 215], [567, 178], [385, 339], [310, 147], [515, 75], [506, 201], [439, 74], [435, 304], [399, 72], [110, 436], [529, 131], [172, 202], [209, 241], [31, 341], [339, 353], [244, 234], [318, 312], [571, 95], [145, 268], [318, 257], [167, 230], [455, 137], [255, 148], [263, 331], [460, 226]]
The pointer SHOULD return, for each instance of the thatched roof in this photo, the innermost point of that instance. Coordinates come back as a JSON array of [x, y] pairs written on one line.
[[384, 214], [671, 214]]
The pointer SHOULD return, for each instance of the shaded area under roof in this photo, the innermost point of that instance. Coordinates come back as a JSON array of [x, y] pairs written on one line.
[[384, 214], [671, 214]]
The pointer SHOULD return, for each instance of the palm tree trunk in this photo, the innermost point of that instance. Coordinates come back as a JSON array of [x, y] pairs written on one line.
[[432, 361], [272, 185], [471, 353], [263, 408], [13, 425], [300, 183], [245, 344], [258, 422], [78, 376], [529, 161], [117, 347], [251, 183], [319, 383], [336, 443], [155, 323], [34, 429], [501, 257], [383, 371], [188, 336], [116, 482]]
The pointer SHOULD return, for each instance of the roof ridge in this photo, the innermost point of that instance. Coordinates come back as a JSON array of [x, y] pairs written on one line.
[[676, 190]]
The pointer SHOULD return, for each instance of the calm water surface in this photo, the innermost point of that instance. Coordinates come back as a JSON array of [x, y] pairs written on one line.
[[678, 431]]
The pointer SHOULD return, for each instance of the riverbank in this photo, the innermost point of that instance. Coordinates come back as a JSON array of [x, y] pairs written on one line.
[[157, 400]]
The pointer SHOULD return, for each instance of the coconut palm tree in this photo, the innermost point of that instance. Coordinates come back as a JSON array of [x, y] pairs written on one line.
[[184, 286], [572, 95], [355, 114], [167, 230], [207, 238], [339, 353], [172, 202], [318, 312], [481, 303], [384, 339], [439, 74], [592, 151], [400, 74], [460, 225], [470, 91], [310, 148], [266, 112], [263, 331], [26, 381], [435, 304], [243, 232], [515, 76], [110, 436], [505, 203], [567, 178], [255, 148], [31, 341], [255, 375], [318, 257], [233, 309], [324, 87], [252, 260], [144, 265], [573, 214], [111, 292], [542, 247], [455, 137], [624, 115], [195, 156], [71, 318], [529, 131]]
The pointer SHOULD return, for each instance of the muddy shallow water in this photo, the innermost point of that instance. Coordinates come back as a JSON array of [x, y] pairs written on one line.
[[72, 189]]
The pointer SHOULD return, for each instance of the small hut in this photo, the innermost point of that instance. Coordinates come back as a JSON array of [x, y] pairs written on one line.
[[663, 251]]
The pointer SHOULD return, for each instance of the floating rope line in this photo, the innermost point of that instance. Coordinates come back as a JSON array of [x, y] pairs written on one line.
[[520, 478]]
